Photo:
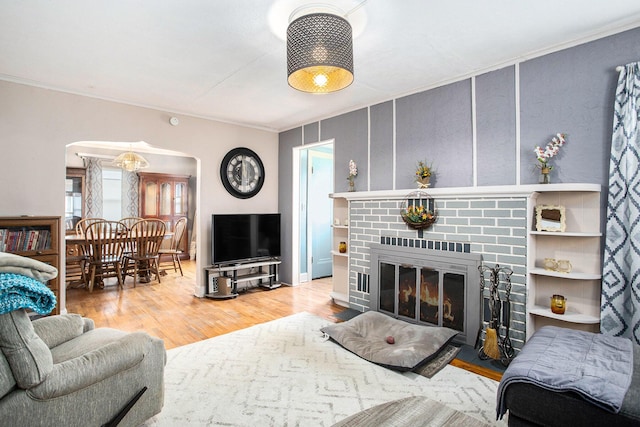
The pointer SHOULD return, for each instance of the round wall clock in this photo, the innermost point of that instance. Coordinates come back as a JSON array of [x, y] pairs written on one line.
[[242, 173]]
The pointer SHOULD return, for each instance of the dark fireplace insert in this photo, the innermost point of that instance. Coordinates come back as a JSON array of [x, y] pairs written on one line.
[[427, 287]]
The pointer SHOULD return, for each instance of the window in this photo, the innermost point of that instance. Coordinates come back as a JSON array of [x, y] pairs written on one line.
[[112, 193]]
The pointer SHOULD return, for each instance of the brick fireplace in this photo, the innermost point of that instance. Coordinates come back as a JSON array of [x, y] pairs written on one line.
[[489, 223]]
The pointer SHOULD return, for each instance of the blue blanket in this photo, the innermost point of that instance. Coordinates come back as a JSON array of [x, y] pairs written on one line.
[[598, 367], [18, 291]]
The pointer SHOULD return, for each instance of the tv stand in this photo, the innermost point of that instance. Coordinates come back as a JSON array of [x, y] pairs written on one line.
[[266, 276]]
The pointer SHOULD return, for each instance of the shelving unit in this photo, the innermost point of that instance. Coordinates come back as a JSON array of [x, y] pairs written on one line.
[[266, 276], [580, 243], [340, 233], [34, 237]]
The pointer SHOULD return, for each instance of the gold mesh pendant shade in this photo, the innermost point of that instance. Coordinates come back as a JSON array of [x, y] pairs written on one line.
[[319, 53], [131, 161]]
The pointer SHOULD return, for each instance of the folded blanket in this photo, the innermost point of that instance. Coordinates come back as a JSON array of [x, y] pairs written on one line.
[[18, 291], [16, 264], [597, 367]]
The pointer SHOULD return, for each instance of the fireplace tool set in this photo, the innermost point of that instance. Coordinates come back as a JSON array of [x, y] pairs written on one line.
[[497, 346]]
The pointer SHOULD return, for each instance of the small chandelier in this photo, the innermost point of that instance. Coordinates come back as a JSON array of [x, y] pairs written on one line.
[[131, 161], [319, 53]]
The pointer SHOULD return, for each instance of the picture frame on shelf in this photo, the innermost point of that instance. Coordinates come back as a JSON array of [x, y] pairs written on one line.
[[550, 218]]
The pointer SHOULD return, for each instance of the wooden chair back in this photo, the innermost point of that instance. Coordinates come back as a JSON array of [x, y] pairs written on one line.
[[83, 223], [130, 220], [178, 233], [105, 242], [148, 235]]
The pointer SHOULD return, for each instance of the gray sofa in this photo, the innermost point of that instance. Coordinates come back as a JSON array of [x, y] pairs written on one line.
[[60, 370]]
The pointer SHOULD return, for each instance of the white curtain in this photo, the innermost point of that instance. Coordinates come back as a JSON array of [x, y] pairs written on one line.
[[620, 302], [93, 199], [129, 194]]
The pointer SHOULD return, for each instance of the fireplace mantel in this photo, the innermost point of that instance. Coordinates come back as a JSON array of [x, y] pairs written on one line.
[[481, 191]]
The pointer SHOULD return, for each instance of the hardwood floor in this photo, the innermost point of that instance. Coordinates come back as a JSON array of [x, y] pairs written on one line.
[[170, 311]]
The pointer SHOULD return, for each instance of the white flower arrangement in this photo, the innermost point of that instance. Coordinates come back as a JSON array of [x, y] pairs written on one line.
[[353, 169], [552, 149]]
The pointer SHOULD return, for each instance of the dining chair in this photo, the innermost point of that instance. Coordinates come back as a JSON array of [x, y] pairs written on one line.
[[147, 235], [130, 220], [174, 246], [104, 244], [83, 223], [77, 260]]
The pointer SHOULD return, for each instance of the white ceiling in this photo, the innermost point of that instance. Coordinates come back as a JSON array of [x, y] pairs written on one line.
[[225, 59]]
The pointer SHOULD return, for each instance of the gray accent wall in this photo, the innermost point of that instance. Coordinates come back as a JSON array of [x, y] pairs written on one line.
[[570, 91], [381, 117], [350, 133], [435, 126], [311, 132], [496, 127]]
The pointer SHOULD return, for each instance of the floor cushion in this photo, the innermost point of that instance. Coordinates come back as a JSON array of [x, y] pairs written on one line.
[[367, 335]]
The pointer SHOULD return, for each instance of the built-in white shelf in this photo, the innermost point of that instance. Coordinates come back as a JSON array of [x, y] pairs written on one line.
[[565, 234], [341, 227], [575, 275], [336, 253], [568, 316]]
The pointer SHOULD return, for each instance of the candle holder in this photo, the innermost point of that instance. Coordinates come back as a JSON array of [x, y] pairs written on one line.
[[558, 304]]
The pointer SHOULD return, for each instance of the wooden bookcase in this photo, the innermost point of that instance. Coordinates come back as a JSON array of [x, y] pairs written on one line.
[[35, 237]]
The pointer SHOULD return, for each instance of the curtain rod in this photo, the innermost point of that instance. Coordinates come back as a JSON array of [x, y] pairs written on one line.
[[97, 156]]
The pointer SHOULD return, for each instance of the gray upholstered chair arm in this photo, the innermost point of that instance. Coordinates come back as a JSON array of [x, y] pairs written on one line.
[[89, 324], [95, 366], [55, 330]]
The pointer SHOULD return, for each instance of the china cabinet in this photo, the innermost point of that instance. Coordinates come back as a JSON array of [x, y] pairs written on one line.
[[165, 197]]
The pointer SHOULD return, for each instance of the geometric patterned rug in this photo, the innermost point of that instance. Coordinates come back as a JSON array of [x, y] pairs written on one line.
[[284, 373]]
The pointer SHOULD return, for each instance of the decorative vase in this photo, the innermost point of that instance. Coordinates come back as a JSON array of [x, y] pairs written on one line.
[[342, 247], [550, 264], [352, 186], [558, 304], [544, 175], [423, 182], [564, 266]]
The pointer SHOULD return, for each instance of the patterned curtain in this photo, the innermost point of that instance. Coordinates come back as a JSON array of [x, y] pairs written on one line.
[[129, 194], [93, 199], [620, 303]]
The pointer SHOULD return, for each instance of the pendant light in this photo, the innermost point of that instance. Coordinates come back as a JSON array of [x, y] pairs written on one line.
[[319, 53], [131, 161]]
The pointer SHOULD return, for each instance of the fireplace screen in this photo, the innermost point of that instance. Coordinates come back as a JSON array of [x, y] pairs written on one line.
[[423, 294], [428, 287]]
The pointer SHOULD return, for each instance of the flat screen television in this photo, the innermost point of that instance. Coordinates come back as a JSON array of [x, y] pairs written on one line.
[[239, 238]]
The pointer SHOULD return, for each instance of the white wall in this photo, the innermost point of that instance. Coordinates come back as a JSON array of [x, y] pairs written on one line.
[[36, 125]]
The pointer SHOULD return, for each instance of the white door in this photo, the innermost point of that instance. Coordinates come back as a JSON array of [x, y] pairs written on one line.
[[319, 213]]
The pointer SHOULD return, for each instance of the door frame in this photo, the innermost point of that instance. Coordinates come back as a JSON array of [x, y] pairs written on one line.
[[310, 235], [296, 276]]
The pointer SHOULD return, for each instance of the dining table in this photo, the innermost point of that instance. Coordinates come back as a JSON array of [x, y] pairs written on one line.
[[75, 242]]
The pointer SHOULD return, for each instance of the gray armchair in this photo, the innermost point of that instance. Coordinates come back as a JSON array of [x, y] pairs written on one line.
[[60, 370]]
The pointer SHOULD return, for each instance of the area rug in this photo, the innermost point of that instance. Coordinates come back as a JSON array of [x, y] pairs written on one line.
[[284, 373], [438, 363]]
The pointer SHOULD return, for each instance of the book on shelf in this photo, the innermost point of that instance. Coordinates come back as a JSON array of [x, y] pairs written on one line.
[[23, 240]]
